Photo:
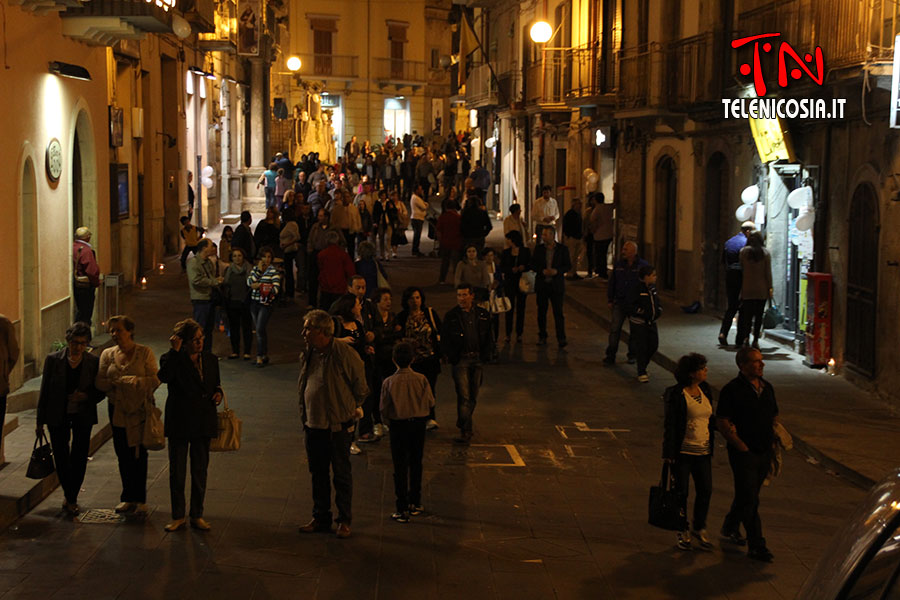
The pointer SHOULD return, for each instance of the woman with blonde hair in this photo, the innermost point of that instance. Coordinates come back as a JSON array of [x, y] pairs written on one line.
[[128, 375]]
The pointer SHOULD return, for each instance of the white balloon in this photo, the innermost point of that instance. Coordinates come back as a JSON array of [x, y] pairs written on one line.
[[744, 212], [207, 171], [750, 194], [593, 178], [207, 182], [800, 198], [587, 172], [180, 27], [806, 220], [592, 186]]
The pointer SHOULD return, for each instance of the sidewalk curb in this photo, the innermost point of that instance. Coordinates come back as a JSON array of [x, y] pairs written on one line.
[[11, 509], [668, 363]]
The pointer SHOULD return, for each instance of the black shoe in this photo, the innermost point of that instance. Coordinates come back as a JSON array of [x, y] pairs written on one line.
[[563, 343], [465, 437], [542, 342], [609, 361], [733, 537], [315, 527], [760, 554], [723, 339]]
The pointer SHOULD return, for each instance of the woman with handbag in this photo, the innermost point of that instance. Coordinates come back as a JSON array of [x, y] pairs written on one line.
[[515, 260], [128, 375], [240, 321], [265, 285], [195, 390], [67, 405], [688, 442], [756, 288], [421, 326], [496, 296]]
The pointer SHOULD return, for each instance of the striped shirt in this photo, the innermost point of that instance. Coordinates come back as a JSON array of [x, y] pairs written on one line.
[[270, 285]]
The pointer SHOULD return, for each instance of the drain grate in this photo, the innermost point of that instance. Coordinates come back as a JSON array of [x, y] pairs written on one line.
[[100, 515]]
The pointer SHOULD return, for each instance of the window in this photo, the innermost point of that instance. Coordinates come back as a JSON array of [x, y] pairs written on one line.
[[397, 38], [435, 58], [324, 28]]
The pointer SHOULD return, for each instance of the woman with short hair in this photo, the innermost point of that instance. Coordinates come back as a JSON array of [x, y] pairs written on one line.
[[195, 390], [67, 405], [688, 442], [265, 284], [240, 321], [421, 327], [756, 288], [515, 260]]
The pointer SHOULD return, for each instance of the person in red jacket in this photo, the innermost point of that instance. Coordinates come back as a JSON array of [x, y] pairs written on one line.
[[86, 273], [335, 270], [448, 234]]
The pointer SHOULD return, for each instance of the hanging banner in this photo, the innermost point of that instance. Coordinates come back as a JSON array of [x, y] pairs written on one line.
[[895, 84], [250, 22]]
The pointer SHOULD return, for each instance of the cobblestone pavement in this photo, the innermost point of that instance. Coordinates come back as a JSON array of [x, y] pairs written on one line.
[[549, 502]]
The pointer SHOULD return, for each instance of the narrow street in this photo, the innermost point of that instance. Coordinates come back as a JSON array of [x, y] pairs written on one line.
[[550, 501]]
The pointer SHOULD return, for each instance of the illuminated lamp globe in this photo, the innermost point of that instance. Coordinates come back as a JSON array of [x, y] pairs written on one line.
[[541, 32], [180, 27], [293, 63]]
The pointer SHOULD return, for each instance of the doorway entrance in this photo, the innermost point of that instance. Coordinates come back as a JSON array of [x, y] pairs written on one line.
[[862, 280], [29, 293], [664, 229], [715, 232]]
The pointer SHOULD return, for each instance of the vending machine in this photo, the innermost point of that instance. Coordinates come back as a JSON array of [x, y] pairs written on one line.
[[818, 319]]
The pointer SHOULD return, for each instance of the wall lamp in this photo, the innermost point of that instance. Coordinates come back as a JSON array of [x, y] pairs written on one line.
[[201, 72], [69, 70]]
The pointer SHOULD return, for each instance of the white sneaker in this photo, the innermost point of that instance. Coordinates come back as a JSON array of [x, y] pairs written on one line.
[[644, 378], [378, 430], [684, 540], [354, 449]]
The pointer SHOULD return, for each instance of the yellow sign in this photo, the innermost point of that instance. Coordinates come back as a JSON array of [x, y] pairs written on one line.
[[772, 141]]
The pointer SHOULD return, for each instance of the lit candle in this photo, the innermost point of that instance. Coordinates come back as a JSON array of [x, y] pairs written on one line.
[[143, 283], [830, 369], [162, 268]]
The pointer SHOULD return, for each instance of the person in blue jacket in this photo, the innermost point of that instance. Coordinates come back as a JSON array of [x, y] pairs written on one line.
[[622, 280]]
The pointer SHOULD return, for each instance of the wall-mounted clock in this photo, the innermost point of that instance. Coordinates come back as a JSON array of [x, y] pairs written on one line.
[[53, 160]]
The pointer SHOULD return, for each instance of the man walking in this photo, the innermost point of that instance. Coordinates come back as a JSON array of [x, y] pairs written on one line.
[[201, 280], [550, 261], [243, 237], [466, 342], [332, 387], [545, 212], [746, 417], [600, 227], [86, 273], [573, 232], [734, 274], [622, 282]]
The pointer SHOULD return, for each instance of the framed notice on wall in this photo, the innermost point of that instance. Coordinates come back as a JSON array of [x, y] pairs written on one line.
[[250, 22], [119, 206], [116, 126]]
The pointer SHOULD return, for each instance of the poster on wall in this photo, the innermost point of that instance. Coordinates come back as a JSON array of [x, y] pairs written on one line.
[[249, 25]]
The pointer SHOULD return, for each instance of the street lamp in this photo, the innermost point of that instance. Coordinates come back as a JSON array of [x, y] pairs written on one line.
[[293, 64], [541, 32]]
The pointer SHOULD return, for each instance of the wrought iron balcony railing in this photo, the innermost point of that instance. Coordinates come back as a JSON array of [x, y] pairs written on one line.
[[335, 66], [392, 70]]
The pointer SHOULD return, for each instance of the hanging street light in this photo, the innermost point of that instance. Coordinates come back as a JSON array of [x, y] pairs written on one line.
[[541, 32], [293, 63]]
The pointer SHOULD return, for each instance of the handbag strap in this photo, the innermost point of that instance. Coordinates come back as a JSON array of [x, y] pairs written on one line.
[[39, 440], [664, 477]]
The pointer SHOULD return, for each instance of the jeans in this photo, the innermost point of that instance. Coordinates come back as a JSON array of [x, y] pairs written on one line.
[[290, 258], [547, 295], [700, 468], [449, 258], [616, 320], [270, 197], [240, 325], [71, 462], [261, 314], [518, 300], [132, 465], [733, 280], [407, 450], [417, 234], [198, 448], [84, 303], [749, 470], [574, 244], [467, 376], [751, 310], [326, 449], [203, 314], [645, 343]]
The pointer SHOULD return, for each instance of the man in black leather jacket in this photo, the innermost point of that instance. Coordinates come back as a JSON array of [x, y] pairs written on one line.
[[466, 343]]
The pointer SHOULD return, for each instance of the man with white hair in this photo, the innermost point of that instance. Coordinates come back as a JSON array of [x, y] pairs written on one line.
[[622, 281], [86, 275]]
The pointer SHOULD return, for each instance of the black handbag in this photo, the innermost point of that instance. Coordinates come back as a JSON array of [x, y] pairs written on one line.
[[41, 463], [773, 317], [667, 506]]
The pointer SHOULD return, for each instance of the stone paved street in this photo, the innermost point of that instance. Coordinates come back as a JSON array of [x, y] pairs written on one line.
[[550, 501]]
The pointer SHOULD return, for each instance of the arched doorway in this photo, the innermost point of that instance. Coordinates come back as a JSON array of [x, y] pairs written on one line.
[[664, 230], [83, 187], [862, 279], [29, 290], [714, 230]]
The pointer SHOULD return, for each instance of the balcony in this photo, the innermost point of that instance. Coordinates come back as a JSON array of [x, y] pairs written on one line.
[[105, 22], [398, 72], [328, 67], [546, 82], [682, 76], [201, 14], [571, 77], [481, 91], [224, 38]]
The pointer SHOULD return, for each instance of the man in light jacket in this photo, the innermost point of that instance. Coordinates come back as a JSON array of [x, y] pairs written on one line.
[[332, 388], [202, 279]]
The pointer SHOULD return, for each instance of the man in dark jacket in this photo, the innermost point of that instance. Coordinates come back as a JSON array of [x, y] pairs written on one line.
[[573, 232], [467, 344], [746, 417], [731, 258], [243, 237], [67, 405], [643, 311], [550, 261], [624, 277]]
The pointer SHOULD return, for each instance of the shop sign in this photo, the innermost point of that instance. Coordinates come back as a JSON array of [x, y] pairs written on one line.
[[895, 84], [772, 141]]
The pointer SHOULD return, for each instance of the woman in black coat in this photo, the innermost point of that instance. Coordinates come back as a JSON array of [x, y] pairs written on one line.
[[421, 326], [515, 260], [688, 441], [67, 405], [191, 421]]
